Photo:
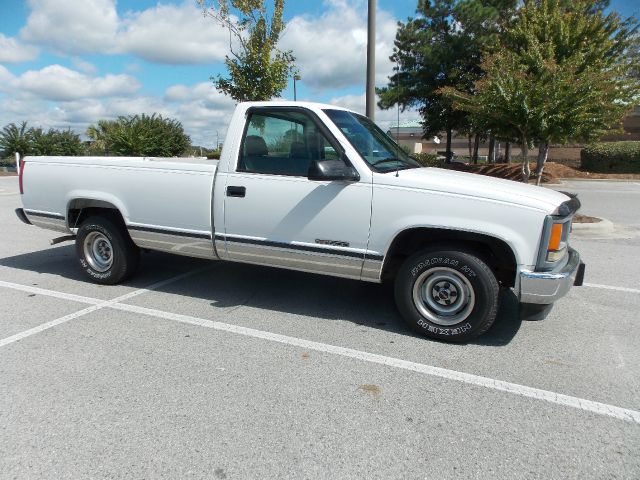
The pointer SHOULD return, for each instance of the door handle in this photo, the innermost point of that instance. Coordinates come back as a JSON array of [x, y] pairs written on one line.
[[233, 191]]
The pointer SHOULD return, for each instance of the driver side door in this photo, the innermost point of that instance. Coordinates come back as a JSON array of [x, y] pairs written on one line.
[[274, 215]]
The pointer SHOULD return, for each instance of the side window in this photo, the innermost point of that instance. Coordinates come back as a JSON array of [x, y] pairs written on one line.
[[283, 143]]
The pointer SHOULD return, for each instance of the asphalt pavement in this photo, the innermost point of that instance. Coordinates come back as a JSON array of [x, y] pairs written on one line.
[[197, 369]]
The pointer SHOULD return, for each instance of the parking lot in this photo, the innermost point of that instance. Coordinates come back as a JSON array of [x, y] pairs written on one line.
[[198, 369]]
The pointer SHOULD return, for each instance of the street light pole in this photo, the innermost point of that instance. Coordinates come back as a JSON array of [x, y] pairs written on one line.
[[371, 61], [295, 94]]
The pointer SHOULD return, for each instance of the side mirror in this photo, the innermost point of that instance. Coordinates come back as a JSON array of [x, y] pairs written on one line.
[[332, 170]]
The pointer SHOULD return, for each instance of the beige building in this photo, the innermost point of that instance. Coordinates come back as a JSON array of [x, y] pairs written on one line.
[[409, 134]]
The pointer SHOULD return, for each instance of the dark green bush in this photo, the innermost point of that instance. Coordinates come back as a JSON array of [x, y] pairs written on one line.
[[428, 159], [611, 157], [139, 136]]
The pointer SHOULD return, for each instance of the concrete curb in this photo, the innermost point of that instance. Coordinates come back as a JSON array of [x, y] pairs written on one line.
[[583, 179], [602, 227]]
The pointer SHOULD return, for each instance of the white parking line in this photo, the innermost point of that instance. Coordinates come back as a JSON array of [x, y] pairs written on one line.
[[53, 323], [610, 287], [493, 384], [50, 293], [96, 303]]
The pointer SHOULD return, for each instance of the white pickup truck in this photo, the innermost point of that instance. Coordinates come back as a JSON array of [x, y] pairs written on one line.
[[320, 189]]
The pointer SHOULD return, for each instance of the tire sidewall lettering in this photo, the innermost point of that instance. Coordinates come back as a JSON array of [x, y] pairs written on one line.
[[99, 228], [430, 262], [444, 331]]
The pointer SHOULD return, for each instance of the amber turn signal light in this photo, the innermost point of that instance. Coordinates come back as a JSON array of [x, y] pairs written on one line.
[[555, 239]]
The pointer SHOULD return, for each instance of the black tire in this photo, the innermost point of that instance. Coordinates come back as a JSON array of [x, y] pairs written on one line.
[[429, 279], [115, 257]]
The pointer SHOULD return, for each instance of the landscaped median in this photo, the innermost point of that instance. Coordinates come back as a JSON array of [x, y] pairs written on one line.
[[592, 225]]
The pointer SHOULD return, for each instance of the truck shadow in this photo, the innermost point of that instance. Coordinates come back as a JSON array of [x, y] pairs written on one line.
[[229, 285]]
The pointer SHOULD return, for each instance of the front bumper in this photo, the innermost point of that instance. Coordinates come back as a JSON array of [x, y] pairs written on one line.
[[546, 287]]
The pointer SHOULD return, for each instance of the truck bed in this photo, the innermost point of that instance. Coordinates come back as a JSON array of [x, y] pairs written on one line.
[[165, 202]]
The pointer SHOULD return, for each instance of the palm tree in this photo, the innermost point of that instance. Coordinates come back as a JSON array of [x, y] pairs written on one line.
[[15, 139], [98, 135]]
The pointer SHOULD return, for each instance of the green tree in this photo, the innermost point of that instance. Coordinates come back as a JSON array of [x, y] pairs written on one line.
[[442, 47], [15, 139], [55, 142], [140, 135], [98, 136], [560, 76], [258, 70]]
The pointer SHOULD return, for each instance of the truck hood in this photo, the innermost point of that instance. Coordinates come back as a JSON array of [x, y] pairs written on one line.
[[474, 185]]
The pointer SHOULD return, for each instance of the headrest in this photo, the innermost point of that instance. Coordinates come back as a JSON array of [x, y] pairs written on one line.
[[255, 146]]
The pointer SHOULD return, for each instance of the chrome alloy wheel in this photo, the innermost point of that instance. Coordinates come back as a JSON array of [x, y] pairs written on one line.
[[98, 251], [443, 296]]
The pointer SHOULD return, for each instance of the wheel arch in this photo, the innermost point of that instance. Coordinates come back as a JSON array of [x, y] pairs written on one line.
[[82, 207], [496, 252]]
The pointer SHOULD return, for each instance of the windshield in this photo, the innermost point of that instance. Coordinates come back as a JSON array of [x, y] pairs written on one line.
[[373, 145]]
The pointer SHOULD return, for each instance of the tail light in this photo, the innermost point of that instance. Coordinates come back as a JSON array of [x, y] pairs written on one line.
[[20, 176]]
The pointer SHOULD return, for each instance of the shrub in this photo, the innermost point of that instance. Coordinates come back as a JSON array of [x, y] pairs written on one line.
[[139, 135], [35, 141], [428, 159], [55, 142], [405, 149], [611, 157]]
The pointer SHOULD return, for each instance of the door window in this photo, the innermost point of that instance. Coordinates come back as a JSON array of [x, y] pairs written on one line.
[[283, 143]]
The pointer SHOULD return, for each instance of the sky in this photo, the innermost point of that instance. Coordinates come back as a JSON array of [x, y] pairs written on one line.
[[69, 63]]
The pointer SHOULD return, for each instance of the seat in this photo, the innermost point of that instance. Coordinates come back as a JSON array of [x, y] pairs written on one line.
[[254, 148], [298, 150], [315, 143]]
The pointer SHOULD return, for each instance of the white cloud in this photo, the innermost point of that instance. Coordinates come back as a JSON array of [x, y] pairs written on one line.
[[5, 78], [72, 26], [174, 34], [84, 66], [13, 52], [204, 92], [171, 34], [56, 82], [204, 112], [330, 50]]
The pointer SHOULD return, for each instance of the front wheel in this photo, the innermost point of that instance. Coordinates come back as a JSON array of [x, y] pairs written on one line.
[[106, 252], [447, 295]]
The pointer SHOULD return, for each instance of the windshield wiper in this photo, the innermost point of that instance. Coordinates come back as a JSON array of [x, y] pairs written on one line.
[[386, 160], [405, 165]]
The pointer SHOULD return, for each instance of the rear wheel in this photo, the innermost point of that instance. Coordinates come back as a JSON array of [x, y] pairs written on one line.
[[106, 252], [447, 295]]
